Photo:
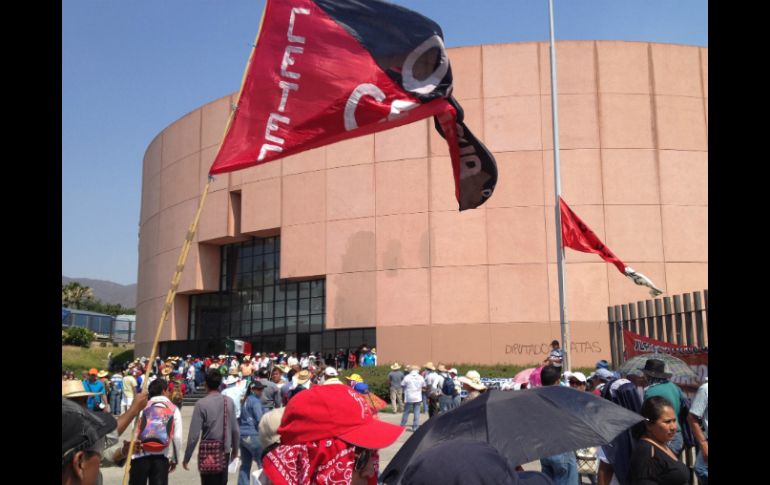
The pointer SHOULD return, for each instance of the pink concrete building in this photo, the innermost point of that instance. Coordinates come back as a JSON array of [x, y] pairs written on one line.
[[365, 243]]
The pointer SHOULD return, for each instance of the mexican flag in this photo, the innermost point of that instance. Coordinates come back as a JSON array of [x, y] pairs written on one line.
[[238, 346]]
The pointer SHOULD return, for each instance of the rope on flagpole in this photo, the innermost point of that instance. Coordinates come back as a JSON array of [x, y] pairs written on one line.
[[164, 315]]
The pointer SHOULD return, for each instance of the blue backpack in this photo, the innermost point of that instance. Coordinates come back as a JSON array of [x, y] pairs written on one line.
[[448, 388]]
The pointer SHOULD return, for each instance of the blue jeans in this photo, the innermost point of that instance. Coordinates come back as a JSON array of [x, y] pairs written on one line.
[[445, 403], [562, 469], [251, 451], [411, 407], [115, 399], [456, 401], [701, 469]]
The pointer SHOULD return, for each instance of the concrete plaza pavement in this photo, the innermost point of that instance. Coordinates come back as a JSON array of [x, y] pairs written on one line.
[[180, 476]]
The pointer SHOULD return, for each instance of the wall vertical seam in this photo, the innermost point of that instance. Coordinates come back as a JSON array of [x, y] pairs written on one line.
[[542, 167]]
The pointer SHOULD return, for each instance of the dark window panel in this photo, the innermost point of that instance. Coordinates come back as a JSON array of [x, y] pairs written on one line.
[[304, 307], [291, 324], [291, 308], [304, 289], [280, 309], [303, 324], [269, 293], [291, 343], [317, 305], [267, 310], [316, 323], [267, 326], [269, 276], [317, 288], [279, 325]]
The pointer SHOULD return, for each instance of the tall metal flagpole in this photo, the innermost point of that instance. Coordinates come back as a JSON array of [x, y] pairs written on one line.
[[565, 341]]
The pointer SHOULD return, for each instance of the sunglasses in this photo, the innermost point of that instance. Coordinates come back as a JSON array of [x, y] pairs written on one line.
[[576, 383], [362, 458]]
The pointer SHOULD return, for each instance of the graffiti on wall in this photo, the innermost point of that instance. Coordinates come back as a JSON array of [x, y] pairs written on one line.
[[576, 347]]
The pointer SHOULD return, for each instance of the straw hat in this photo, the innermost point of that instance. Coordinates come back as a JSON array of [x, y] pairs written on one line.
[[102, 373], [302, 377], [71, 389], [430, 366], [472, 379], [355, 377], [441, 368], [395, 366], [282, 368], [268, 427], [231, 380], [166, 371]]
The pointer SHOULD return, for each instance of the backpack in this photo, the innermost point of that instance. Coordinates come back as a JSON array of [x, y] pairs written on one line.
[[156, 427], [448, 388], [368, 360]]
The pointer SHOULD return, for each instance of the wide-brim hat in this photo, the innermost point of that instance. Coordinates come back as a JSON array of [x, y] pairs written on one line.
[[230, 380], [268, 427], [430, 366], [302, 377], [102, 373], [233, 371], [476, 385], [442, 368], [656, 368], [247, 358], [395, 366], [70, 389], [166, 371], [355, 377]]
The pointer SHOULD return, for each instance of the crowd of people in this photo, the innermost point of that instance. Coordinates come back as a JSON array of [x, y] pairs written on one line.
[[293, 418]]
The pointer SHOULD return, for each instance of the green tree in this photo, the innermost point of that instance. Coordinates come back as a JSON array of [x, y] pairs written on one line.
[[75, 295]]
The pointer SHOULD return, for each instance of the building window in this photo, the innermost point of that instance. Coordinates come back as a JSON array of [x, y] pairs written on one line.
[[253, 304]]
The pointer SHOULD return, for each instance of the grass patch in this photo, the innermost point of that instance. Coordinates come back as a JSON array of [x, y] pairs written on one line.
[[78, 359]]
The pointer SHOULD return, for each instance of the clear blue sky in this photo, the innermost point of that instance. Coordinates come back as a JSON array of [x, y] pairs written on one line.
[[129, 69]]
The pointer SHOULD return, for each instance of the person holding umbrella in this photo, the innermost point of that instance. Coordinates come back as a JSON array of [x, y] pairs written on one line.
[[561, 468]]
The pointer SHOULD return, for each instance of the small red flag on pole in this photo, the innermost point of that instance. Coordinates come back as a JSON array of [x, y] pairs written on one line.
[[578, 236]]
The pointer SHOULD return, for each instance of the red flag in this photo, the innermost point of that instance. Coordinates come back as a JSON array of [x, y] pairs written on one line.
[[328, 70], [577, 235]]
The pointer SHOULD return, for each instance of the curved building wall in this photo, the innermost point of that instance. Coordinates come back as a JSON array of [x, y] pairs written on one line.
[[376, 215]]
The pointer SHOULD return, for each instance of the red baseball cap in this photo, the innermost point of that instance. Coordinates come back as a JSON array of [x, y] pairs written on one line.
[[324, 412]]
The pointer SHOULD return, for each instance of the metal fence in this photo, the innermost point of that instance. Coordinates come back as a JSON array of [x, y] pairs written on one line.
[[681, 320]]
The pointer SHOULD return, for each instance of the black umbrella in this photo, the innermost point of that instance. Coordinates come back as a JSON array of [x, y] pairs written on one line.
[[522, 425]]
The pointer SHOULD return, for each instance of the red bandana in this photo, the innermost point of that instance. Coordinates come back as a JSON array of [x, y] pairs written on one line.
[[323, 462]]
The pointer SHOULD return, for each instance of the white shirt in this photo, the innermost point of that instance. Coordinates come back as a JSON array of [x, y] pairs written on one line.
[[434, 380], [191, 373], [236, 392], [292, 361], [413, 384], [174, 450]]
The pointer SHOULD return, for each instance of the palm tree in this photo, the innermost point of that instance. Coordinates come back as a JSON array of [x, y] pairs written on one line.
[[74, 295]]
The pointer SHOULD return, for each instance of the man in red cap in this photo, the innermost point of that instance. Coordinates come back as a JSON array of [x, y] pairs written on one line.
[[329, 435]]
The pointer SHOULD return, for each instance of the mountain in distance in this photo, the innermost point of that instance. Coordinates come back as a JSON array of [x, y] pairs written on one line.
[[107, 291]]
